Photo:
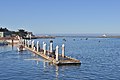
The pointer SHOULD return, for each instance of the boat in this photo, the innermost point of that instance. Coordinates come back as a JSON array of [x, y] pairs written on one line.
[[21, 48], [104, 35]]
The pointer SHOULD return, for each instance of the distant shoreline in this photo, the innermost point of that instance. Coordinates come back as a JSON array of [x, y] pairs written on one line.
[[91, 36], [38, 37]]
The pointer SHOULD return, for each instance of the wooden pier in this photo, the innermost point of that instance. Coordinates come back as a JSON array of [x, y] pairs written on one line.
[[53, 56]]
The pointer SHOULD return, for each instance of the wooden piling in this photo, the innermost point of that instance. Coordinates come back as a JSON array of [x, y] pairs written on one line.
[[44, 49], [63, 50], [37, 46], [56, 53], [51, 46], [33, 44]]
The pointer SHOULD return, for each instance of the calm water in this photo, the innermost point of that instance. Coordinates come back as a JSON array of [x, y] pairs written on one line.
[[100, 61]]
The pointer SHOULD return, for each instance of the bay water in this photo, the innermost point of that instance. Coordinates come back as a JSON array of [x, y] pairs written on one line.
[[100, 60]]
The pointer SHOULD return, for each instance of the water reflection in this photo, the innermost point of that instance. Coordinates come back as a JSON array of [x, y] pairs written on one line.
[[44, 64], [37, 62], [57, 70], [46, 67], [100, 61]]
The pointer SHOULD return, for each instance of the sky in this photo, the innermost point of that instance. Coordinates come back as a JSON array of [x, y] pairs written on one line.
[[61, 16]]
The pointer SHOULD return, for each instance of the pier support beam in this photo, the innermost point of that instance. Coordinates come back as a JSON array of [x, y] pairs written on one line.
[[44, 48], [63, 50], [57, 53], [37, 46], [51, 46]]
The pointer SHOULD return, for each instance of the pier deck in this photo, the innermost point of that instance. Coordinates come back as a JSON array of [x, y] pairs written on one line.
[[62, 61]]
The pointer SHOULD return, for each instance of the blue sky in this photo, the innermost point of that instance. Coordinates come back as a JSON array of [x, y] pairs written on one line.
[[61, 16]]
